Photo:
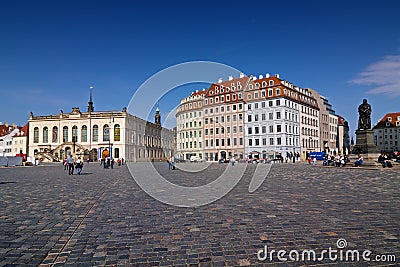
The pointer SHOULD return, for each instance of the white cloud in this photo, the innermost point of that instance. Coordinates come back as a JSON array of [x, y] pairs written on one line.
[[384, 75]]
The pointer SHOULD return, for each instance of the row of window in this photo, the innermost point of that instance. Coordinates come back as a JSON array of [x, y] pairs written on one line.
[[307, 143], [309, 111], [192, 124], [188, 115], [221, 130], [222, 109], [309, 121], [188, 145], [288, 116], [309, 132], [83, 135], [271, 141], [221, 142], [211, 120], [190, 134], [222, 98]]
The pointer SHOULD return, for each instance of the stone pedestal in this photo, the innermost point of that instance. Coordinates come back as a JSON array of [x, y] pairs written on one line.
[[365, 145]]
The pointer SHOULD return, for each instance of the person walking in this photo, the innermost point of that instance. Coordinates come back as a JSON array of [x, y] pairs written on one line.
[[71, 165], [79, 166], [65, 163]]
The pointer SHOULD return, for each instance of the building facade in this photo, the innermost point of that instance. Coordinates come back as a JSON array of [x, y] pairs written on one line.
[[272, 118], [250, 117], [189, 121], [328, 124], [224, 122], [20, 141], [387, 133], [96, 134], [6, 139]]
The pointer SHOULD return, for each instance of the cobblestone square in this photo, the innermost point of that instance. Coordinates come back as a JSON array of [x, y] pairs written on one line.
[[102, 218]]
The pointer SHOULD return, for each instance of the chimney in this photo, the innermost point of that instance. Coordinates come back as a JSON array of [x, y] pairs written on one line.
[[260, 77], [277, 75], [254, 78], [267, 75], [6, 124], [197, 91], [219, 80], [241, 75], [230, 77], [14, 126]]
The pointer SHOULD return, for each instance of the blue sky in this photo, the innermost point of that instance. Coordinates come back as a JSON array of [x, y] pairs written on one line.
[[51, 51]]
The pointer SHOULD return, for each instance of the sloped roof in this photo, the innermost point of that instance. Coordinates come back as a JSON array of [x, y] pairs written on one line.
[[384, 122]]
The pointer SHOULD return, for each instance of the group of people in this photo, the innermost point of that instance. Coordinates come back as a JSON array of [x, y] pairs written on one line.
[[384, 159], [337, 160], [70, 164], [110, 162]]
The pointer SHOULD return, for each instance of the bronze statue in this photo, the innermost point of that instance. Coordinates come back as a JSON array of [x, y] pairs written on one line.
[[364, 121]]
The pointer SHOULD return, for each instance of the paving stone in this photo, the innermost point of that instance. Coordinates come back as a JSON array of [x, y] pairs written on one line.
[[48, 218]]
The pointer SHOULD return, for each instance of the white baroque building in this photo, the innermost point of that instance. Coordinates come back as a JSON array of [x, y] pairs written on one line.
[[189, 120], [97, 135]]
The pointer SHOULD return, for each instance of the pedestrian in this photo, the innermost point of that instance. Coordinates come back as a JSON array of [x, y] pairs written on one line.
[[233, 161], [169, 163], [79, 166], [309, 160], [65, 163], [359, 161], [104, 163], [88, 160], [71, 165], [112, 163]]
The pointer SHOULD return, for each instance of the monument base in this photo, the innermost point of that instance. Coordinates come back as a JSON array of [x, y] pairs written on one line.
[[365, 145]]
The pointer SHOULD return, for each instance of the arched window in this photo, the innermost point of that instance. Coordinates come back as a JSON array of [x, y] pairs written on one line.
[[117, 132], [84, 133], [65, 134], [36, 135], [55, 134], [45, 135], [95, 137], [106, 132], [74, 133]]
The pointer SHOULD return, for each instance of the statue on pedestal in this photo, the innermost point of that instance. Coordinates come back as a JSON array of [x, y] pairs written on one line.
[[364, 120], [365, 143]]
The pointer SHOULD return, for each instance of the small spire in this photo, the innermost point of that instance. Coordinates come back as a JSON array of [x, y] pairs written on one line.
[[90, 103], [157, 109], [91, 88]]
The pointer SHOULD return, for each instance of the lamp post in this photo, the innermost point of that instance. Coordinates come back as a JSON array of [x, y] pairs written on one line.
[[294, 157], [109, 136]]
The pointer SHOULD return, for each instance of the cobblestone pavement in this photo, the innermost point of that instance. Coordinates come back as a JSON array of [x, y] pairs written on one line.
[[102, 218]]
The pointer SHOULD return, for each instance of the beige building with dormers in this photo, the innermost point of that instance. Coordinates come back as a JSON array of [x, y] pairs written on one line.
[[189, 120], [97, 134]]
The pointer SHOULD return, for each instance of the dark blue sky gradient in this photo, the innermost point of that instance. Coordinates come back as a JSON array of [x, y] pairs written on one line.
[[50, 51]]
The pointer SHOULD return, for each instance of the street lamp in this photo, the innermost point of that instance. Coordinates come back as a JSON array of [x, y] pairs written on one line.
[[109, 136], [294, 157]]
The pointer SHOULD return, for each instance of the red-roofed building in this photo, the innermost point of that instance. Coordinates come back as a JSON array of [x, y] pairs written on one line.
[[20, 142], [6, 135], [387, 132]]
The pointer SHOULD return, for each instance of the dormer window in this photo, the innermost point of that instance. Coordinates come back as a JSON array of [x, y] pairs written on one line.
[[271, 82], [251, 87], [257, 85], [390, 119], [264, 84], [387, 123]]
